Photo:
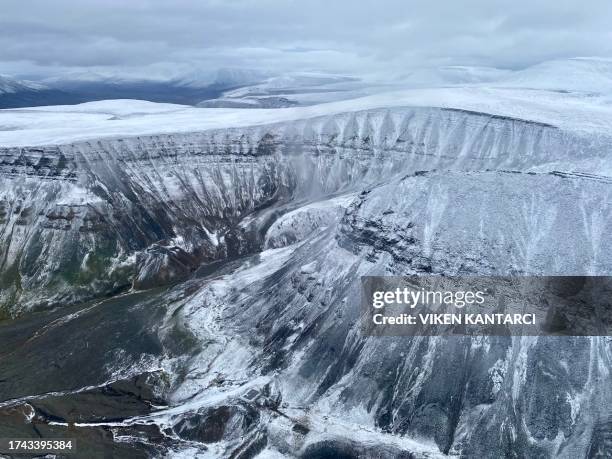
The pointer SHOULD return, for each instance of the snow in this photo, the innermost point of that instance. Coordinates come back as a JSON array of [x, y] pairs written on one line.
[[119, 107], [10, 85], [307, 88], [579, 74], [451, 76], [275, 288], [329, 428], [222, 76], [126, 118], [572, 94], [193, 79], [309, 268], [304, 88]]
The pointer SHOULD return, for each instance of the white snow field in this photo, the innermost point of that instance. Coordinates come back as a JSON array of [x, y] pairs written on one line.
[[561, 93]]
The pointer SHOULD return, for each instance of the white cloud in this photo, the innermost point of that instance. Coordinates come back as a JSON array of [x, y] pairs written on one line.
[[145, 36]]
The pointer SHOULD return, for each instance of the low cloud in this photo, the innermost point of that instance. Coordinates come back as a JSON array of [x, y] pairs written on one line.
[[154, 37]]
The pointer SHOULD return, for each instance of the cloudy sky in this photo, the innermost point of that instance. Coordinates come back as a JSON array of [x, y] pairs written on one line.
[[168, 38]]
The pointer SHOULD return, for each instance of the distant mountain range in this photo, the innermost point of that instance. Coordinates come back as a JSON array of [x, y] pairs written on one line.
[[20, 93], [86, 87], [245, 88]]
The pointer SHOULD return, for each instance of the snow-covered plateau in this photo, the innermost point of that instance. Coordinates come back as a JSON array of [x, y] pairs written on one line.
[[185, 282]]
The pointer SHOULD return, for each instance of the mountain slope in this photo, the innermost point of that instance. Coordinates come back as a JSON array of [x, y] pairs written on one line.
[[208, 278], [589, 75], [19, 93], [89, 86]]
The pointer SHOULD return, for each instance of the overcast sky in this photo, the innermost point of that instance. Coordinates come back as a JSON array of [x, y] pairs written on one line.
[[171, 37]]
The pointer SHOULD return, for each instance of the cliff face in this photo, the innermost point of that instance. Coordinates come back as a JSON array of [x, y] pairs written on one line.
[[269, 229], [88, 219]]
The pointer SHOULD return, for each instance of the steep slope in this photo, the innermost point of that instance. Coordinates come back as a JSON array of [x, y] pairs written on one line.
[[43, 126], [94, 217], [295, 324], [238, 253]]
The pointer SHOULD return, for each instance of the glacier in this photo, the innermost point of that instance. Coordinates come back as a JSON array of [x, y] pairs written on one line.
[[193, 275]]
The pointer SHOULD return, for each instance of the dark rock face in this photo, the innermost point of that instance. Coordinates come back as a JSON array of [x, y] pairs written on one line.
[[131, 397], [343, 450], [215, 424], [248, 246]]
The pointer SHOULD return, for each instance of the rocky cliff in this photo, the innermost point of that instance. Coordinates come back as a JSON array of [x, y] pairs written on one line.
[[238, 253]]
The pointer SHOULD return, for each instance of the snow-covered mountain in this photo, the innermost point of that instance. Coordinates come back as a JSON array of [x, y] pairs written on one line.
[[450, 76], [81, 87], [292, 90], [224, 77], [589, 75], [247, 88], [205, 265], [10, 85], [22, 93], [186, 89]]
